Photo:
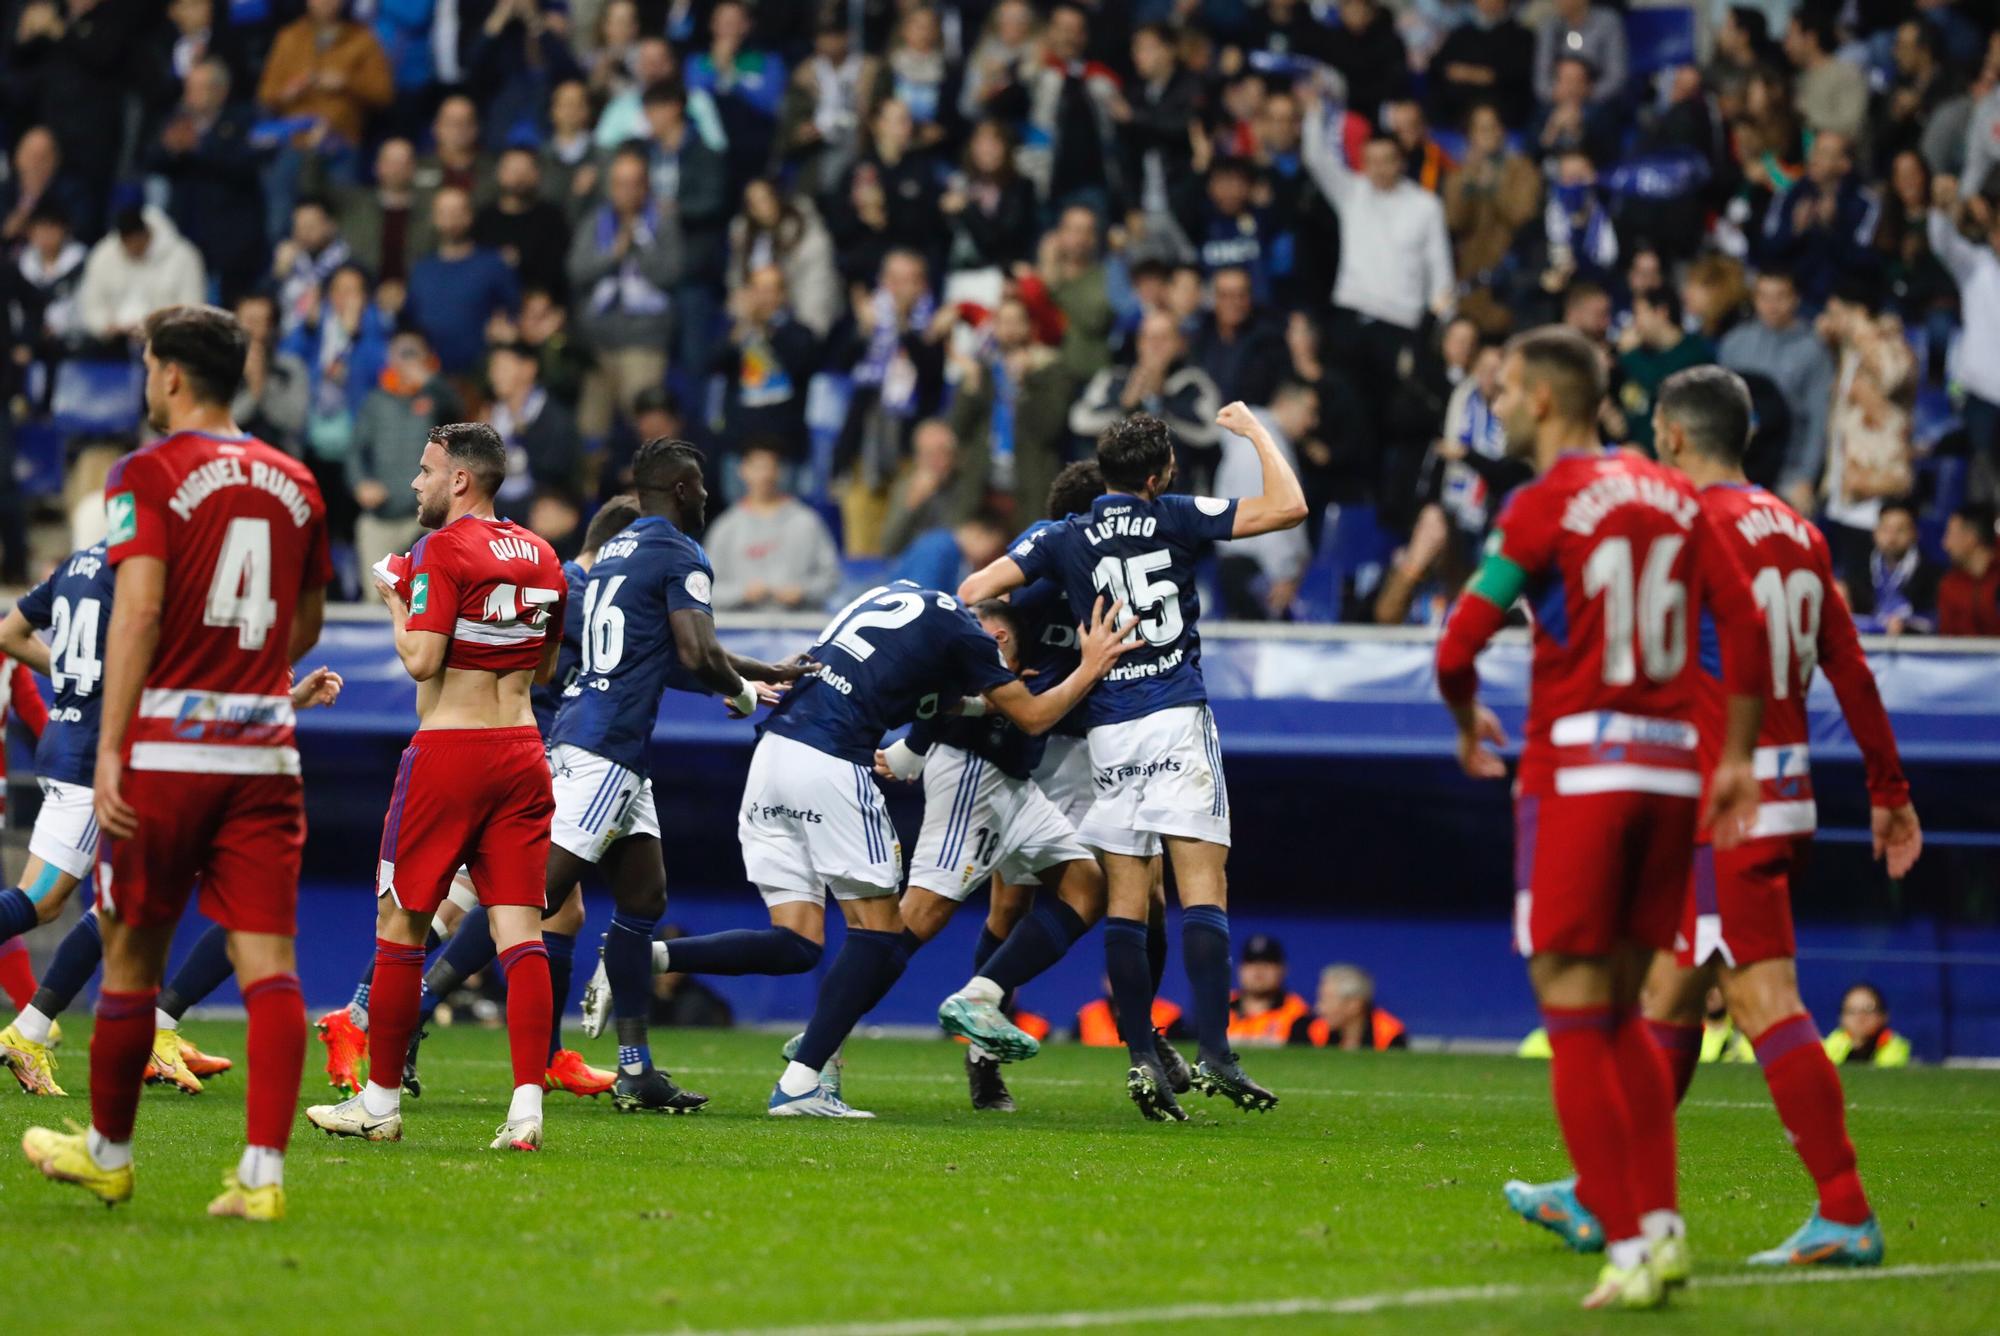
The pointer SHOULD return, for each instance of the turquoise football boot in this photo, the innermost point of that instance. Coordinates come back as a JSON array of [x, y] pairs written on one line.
[[1555, 1208], [1821, 1242]]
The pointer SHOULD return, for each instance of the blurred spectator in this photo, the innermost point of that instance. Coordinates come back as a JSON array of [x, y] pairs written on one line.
[[1920, 288], [46, 315], [142, 264], [1721, 1041], [178, 47], [613, 48], [747, 86], [1488, 60], [67, 70], [1572, 119], [1236, 343], [395, 421], [1655, 347], [787, 233], [773, 550], [1424, 159], [543, 325], [1742, 43], [568, 155], [326, 75], [1921, 84], [1155, 121], [1781, 349], [690, 185], [1488, 198], [622, 261], [388, 225], [988, 205], [343, 343], [458, 287], [36, 183], [762, 368], [526, 230], [1097, 1021], [456, 159], [1364, 47], [1981, 144], [819, 121], [1071, 148], [1345, 1015], [908, 179], [1594, 34], [516, 59], [1001, 64], [543, 449], [1160, 381], [1868, 449], [1714, 295], [1227, 229], [1010, 414], [272, 402], [1977, 271], [1260, 576], [1968, 600], [892, 344], [1832, 93], [918, 74], [1069, 264], [304, 260], [934, 492], [624, 116], [556, 513], [215, 195], [1262, 1011], [1895, 589], [1581, 240], [1864, 1036], [942, 558], [1824, 226]]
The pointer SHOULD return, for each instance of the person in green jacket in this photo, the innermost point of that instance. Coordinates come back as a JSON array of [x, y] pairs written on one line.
[[1654, 348], [1864, 1036]]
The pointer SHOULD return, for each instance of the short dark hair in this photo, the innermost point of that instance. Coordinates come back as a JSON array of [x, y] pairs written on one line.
[[1582, 290], [130, 222], [664, 90], [1588, 67], [1131, 451], [1862, 985], [1662, 298], [48, 212], [611, 517], [1000, 610], [659, 463], [517, 348], [1712, 405], [208, 345], [1818, 22], [1075, 488], [476, 448], [1858, 289], [1977, 516], [1563, 359], [1902, 503], [764, 444], [1778, 276], [1229, 164], [312, 201]]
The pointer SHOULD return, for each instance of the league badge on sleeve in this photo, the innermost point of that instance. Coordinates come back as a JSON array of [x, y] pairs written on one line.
[[122, 512]]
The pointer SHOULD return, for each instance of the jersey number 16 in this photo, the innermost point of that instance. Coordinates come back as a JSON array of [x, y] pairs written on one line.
[[1656, 603]]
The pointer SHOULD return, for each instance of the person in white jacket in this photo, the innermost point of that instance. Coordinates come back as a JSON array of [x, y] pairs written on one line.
[[141, 265]]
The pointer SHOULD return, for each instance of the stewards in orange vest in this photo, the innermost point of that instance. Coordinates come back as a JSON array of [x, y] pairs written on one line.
[[1097, 1023], [1346, 1015], [1262, 1012]]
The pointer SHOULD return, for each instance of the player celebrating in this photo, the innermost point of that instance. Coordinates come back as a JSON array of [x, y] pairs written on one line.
[[1156, 759], [1618, 562], [1736, 925], [219, 543], [475, 632], [647, 625]]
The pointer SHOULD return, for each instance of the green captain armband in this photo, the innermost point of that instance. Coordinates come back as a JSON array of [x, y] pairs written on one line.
[[1499, 580]]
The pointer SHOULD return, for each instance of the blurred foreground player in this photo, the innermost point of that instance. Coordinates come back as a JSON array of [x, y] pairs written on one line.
[[1615, 556], [220, 547], [481, 625], [1736, 927]]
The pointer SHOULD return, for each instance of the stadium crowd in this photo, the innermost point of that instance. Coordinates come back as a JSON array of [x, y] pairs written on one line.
[[893, 263]]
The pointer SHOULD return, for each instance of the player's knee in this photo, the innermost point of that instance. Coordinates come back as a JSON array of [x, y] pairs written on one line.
[[1761, 995], [797, 955], [648, 901]]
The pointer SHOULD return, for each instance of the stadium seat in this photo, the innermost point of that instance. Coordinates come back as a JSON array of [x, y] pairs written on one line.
[[38, 458], [98, 397], [1658, 39]]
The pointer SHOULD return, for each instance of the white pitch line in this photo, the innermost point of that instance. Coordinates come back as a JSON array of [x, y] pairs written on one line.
[[1313, 1306]]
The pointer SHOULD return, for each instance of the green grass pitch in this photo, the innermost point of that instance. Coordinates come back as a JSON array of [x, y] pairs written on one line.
[[1368, 1201]]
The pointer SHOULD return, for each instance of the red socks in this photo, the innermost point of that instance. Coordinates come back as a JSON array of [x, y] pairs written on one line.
[[1806, 1089], [119, 1047], [393, 1000], [1649, 1101], [277, 1054], [1681, 1044], [1590, 1107], [17, 972], [526, 965]]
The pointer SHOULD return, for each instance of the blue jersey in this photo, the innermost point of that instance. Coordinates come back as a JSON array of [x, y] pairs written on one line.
[[1048, 636], [626, 656], [887, 658], [1142, 552], [991, 737], [74, 607], [547, 698]]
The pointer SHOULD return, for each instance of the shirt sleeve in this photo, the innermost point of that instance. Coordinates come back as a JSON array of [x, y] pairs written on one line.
[[690, 584], [434, 587], [135, 510], [1201, 517], [38, 604], [1034, 553], [1846, 668]]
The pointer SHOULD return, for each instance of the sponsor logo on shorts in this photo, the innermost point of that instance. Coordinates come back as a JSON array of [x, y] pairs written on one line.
[[780, 812], [420, 593], [1111, 776], [123, 513]]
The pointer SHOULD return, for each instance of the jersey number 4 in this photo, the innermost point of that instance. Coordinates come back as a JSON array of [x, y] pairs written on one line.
[[1656, 604], [239, 593], [1156, 603]]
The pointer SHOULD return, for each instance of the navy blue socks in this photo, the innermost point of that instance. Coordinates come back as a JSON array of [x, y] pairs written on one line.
[[204, 971], [1125, 964], [469, 951], [1037, 942], [1205, 946], [868, 965], [74, 962], [628, 966], [562, 964], [744, 951]]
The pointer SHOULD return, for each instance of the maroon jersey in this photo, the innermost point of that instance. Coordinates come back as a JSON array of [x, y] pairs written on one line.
[[1790, 571], [495, 588], [1618, 563], [242, 530]]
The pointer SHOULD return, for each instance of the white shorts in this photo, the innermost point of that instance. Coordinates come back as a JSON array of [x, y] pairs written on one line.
[[65, 834], [1160, 775], [977, 819], [1064, 776], [812, 823], [598, 802]]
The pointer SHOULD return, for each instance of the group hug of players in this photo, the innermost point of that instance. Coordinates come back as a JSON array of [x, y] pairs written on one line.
[[1060, 729]]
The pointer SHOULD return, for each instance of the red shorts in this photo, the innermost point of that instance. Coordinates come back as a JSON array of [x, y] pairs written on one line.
[[239, 836], [1597, 869], [477, 797], [1739, 902]]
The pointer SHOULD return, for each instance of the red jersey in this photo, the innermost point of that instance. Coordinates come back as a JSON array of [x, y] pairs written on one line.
[[495, 588], [17, 687], [242, 529], [1619, 562], [1790, 570]]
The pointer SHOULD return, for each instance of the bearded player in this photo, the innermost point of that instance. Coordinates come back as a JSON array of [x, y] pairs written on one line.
[[219, 542], [481, 626], [1618, 562], [1736, 927]]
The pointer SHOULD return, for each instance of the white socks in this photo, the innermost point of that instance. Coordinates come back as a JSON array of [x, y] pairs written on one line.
[[33, 1025], [1627, 1253], [982, 989], [660, 958], [107, 1154], [162, 1021], [798, 1079], [527, 1103], [261, 1166], [381, 1101], [1657, 1225]]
